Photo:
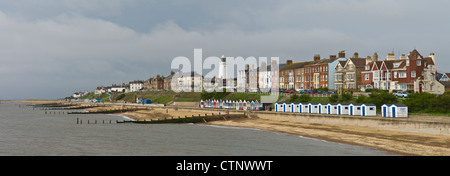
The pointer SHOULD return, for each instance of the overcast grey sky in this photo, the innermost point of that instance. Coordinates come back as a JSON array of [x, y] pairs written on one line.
[[52, 48]]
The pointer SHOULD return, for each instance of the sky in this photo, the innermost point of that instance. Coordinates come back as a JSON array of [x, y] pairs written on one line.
[[50, 49]]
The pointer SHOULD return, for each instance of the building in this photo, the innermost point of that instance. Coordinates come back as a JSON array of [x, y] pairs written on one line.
[[187, 81], [136, 85], [412, 72], [120, 88], [348, 74], [157, 83], [168, 81]]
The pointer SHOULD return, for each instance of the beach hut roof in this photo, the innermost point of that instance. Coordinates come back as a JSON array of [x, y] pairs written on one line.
[[369, 104]]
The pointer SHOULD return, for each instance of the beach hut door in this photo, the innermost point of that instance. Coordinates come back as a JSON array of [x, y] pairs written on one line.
[[393, 111], [329, 109], [363, 111], [351, 110], [339, 110], [384, 111]]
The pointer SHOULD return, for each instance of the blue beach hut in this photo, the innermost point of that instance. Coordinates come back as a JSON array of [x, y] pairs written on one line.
[[385, 110], [332, 108], [368, 110], [400, 110]]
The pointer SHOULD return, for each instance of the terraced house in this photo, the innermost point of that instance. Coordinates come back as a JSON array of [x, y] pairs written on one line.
[[310, 75], [348, 74], [412, 72]]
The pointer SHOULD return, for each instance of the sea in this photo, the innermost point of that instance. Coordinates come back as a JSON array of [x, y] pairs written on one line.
[[25, 131]]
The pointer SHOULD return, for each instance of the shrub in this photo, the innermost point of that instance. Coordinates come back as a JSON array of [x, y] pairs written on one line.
[[119, 97], [334, 98], [293, 98], [382, 97], [346, 97], [362, 99], [304, 98]]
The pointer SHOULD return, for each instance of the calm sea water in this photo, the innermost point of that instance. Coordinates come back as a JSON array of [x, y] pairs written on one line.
[[24, 131]]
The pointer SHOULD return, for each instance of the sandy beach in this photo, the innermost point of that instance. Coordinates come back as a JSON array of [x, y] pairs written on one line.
[[395, 142]]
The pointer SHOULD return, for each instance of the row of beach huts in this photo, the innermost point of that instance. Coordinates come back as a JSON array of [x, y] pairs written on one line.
[[391, 110], [232, 104], [387, 110]]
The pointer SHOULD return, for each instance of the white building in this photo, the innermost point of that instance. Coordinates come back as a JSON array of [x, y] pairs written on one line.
[[136, 85]]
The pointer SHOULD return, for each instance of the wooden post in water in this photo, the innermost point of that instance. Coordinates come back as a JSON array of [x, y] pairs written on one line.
[[77, 120]]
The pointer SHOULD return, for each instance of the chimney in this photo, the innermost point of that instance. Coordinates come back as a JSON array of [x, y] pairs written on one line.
[[341, 54], [316, 57], [403, 56], [332, 56], [356, 55], [432, 58], [390, 56], [288, 62], [368, 60], [375, 57]]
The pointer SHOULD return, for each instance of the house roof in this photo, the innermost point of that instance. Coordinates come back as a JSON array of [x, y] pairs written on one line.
[[358, 62], [445, 83], [414, 54], [295, 65]]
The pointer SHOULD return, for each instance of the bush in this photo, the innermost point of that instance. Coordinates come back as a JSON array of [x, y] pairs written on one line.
[[119, 97], [382, 97], [430, 103], [304, 98], [362, 99], [334, 98], [346, 97], [293, 98]]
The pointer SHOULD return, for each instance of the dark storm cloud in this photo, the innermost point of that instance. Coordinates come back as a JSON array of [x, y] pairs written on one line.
[[50, 49]]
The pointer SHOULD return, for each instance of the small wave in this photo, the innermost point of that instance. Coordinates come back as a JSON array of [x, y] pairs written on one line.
[[123, 116]]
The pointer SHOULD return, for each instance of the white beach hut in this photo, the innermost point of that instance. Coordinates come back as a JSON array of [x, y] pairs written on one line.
[[332, 108], [399, 110], [368, 110], [323, 108], [298, 107], [354, 109], [385, 110], [343, 109], [313, 108], [202, 104], [279, 107]]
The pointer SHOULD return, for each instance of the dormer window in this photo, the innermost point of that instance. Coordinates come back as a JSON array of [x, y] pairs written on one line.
[[367, 67], [396, 65]]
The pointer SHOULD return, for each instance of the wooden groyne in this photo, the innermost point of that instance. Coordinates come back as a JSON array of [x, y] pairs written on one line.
[[188, 119], [109, 111]]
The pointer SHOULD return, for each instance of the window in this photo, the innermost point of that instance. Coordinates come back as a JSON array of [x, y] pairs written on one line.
[[371, 109], [413, 74], [402, 75], [395, 74], [419, 63], [366, 76], [367, 67], [396, 65], [407, 62]]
